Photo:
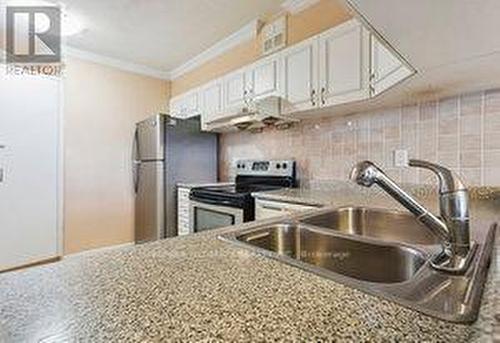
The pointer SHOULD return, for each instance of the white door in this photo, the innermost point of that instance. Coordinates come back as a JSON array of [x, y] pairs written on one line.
[[263, 78], [29, 134], [235, 92], [344, 64], [211, 100], [387, 69], [300, 76]]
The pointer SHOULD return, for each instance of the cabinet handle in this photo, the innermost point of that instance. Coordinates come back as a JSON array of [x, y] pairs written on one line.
[[323, 93], [245, 98], [313, 96], [273, 208]]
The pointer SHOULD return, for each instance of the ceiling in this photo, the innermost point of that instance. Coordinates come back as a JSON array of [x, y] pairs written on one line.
[[453, 44], [160, 34]]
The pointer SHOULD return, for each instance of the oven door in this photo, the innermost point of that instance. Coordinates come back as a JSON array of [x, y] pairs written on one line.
[[209, 216]]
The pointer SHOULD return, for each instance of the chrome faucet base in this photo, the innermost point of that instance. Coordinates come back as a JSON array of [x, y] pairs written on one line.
[[454, 264]]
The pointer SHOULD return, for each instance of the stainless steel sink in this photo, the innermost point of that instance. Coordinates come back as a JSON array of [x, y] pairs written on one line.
[[357, 259], [384, 253], [391, 226]]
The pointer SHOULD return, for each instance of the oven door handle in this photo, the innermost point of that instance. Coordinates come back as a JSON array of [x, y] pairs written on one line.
[[213, 202]]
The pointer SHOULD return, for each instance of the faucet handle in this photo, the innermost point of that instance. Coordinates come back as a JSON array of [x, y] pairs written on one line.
[[448, 181]]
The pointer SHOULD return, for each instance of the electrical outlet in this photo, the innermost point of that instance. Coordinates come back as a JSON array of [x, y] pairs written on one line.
[[400, 158]]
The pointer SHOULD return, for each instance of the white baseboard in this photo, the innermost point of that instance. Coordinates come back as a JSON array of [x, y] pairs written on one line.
[[93, 251]]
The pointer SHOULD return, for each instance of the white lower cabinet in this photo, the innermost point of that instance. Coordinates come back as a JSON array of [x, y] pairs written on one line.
[[271, 208], [183, 217]]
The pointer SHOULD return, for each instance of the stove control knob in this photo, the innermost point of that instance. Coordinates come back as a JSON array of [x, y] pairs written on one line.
[[284, 166], [278, 166]]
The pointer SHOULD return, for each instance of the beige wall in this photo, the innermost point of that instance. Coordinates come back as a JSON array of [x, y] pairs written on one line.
[[460, 132], [315, 19], [101, 106]]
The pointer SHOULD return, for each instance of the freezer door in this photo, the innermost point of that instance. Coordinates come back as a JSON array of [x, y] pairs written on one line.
[[149, 202], [149, 137]]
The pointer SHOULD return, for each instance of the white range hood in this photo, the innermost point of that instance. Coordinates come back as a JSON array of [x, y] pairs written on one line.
[[254, 117]]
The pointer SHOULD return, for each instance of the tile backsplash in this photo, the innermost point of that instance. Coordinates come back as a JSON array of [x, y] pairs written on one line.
[[462, 133]]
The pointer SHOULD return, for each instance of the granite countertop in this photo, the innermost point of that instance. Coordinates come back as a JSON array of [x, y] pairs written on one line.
[[197, 287]]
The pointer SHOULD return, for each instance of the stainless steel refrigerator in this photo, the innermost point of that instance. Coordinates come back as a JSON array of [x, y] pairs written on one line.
[[168, 151]]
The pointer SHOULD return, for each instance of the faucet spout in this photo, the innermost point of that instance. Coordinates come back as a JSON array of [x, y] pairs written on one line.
[[452, 229], [366, 174]]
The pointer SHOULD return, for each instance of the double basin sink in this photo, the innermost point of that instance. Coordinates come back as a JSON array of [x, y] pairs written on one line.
[[381, 252]]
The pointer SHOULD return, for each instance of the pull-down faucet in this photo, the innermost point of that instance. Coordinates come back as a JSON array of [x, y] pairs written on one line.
[[452, 227]]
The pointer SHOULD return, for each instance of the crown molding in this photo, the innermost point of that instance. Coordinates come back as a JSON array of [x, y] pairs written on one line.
[[116, 63], [296, 6], [246, 33]]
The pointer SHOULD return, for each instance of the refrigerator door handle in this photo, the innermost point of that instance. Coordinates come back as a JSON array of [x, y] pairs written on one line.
[[135, 171], [135, 162], [135, 147]]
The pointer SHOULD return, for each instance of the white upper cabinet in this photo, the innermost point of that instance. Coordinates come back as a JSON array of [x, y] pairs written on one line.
[[235, 90], [186, 105], [191, 104], [300, 76], [175, 106], [344, 64], [387, 68], [344, 59], [263, 78], [211, 100]]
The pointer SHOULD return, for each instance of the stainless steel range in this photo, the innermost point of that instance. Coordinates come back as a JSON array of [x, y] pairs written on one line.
[[213, 207]]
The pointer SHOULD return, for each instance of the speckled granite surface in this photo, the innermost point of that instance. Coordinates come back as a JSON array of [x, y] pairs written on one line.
[[197, 288]]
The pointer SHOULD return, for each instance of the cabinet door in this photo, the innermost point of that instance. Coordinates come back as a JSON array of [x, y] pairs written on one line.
[[270, 208], [185, 105], [344, 64], [387, 69], [211, 99], [262, 211], [175, 107], [263, 78], [300, 76], [235, 90], [211, 102], [191, 104]]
